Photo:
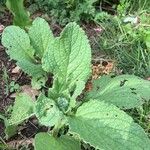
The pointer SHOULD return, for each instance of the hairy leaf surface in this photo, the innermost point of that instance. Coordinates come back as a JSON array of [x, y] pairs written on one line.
[[107, 127], [17, 41], [38, 82], [125, 91], [69, 57], [41, 36], [80, 85], [47, 112], [48, 142], [32, 69], [23, 109]]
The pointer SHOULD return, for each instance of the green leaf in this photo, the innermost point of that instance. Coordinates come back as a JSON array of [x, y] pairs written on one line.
[[47, 112], [3, 146], [38, 82], [23, 109], [32, 69], [107, 127], [80, 85], [58, 89], [21, 16], [63, 104], [147, 40], [124, 91], [40, 35], [50, 143], [69, 57], [10, 130], [17, 41]]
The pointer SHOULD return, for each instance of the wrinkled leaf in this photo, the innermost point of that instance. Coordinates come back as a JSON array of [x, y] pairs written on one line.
[[69, 57], [50, 143], [58, 89], [32, 69], [17, 41], [47, 112], [107, 127], [80, 85], [38, 82], [124, 91], [23, 109], [40, 35]]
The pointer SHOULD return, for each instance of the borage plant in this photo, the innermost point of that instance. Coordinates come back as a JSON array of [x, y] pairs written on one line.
[[97, 119]]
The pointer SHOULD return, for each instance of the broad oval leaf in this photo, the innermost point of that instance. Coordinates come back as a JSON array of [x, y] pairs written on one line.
[[23, 109], [47, 112], [69, 57], [40, 36], [48, 142], [124, 91], [107, 127], [17, 41]]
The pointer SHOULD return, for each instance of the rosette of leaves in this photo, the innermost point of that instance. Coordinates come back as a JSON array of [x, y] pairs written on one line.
[[99, 118], [27, 48]]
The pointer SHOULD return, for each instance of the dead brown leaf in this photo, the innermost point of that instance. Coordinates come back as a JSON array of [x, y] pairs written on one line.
[[148, 78], [97, 70], [27, 89], [108, 68], [1, 28], [88, 86], [16, 70]]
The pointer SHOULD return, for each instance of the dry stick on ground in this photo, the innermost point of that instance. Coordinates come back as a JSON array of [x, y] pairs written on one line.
[[15, 144], [1, 139]]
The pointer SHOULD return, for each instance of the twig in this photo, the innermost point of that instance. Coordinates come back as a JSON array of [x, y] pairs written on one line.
[[16, 143]]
